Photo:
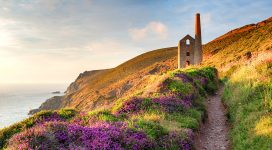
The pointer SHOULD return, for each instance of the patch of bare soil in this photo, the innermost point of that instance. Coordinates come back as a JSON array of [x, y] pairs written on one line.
[[213, 134]]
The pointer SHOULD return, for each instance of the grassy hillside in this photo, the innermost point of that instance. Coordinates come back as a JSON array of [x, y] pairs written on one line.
[[248, 96], [244, 55], [164, 118], [227, 53], [132, 94], [101, 88], [238, 47]]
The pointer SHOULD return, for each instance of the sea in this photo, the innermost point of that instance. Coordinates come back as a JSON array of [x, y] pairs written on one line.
[[17, 99]]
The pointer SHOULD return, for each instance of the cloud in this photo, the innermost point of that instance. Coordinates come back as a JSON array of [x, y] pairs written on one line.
[[206, 18], [6, 37], [105, 47], [50, 4], [109, 47], [66, 37], [153, 29]]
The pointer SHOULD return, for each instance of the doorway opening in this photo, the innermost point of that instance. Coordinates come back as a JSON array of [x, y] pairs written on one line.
[[187, 63]]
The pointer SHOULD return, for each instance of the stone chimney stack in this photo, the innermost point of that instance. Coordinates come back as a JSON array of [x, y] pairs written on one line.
[[197, 25], [198, 40], [189, 48]]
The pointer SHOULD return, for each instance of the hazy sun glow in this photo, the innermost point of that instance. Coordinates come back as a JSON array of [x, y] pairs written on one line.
[[53, 41]]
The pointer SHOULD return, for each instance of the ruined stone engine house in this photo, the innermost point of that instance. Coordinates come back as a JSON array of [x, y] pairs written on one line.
[[189, 48]]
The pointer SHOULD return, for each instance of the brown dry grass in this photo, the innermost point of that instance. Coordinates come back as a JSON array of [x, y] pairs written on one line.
[[227, 53]]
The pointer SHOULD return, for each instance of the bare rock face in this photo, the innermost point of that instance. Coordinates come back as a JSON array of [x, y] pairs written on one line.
[[97, 88], [74, 86], [33, 111], [58, 102], [248, 55], [100, 88], [83, 79], [50, 104]]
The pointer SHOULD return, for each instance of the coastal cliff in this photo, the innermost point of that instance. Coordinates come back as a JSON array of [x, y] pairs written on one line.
[[101, 88], [147, 100]]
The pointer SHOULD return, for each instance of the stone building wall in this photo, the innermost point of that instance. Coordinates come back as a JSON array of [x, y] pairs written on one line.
[[191, 53], [186, 51]]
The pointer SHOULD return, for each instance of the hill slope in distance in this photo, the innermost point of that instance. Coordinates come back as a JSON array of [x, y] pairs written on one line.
[[101, 88]]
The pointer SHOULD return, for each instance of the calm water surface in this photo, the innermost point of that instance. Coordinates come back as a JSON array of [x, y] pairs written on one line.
[[17, 99]]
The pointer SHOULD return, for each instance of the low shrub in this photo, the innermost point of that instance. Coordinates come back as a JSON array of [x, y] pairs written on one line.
[[67, 113], [179, 87], [104, 115], [184, 121], [152, 129], [8, 132], [172, 103], [211, 87], [60, 135], [176, 141], [135, 105], [128, 125], [38, 118]]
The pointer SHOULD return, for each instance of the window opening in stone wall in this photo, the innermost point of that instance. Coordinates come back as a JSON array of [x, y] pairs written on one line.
[[187, 42]]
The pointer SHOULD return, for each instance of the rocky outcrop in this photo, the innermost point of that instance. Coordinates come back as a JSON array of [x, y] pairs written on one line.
[[93, 89], [82, 80], [50, 104], [57, 102]]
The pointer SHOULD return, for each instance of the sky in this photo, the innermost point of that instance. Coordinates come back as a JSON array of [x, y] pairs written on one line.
[[52, 41]]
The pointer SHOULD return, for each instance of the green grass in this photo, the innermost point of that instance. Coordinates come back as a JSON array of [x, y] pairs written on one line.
[[67, 113], [248, 98], [229, 53], [184, 120], [151, 128], [155, 121], [8, 132], [103, 115], [180, 87], [247, 94], [151, 119]]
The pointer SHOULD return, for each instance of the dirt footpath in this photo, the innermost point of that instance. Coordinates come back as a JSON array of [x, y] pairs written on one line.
[[213, 134]]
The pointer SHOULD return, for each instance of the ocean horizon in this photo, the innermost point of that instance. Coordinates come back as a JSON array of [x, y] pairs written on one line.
[[16, 100]]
